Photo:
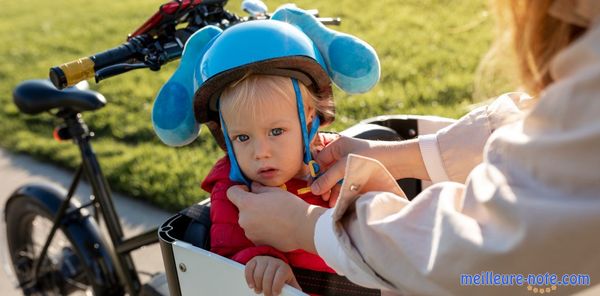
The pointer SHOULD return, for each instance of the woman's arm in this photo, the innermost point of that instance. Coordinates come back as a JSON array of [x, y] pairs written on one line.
[[448, 155], [452, 152]]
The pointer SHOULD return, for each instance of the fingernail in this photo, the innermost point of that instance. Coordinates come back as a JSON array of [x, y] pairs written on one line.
[[251, 286]]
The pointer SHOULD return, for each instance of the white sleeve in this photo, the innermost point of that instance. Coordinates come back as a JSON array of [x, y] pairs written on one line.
[[330, 250], [432, 158], [453, 151]]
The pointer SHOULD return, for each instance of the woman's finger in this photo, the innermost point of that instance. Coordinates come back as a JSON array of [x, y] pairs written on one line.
[[330, 137], [326, 196], [238, 194], [259, 188], [329, 178], [331, 153], [335, 194]]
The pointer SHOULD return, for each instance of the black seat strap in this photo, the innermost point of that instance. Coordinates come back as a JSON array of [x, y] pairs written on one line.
[[198, 230], [198, 212], [325, 283]]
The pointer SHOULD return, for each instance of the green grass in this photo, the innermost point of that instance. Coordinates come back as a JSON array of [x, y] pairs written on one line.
[[429, 52]]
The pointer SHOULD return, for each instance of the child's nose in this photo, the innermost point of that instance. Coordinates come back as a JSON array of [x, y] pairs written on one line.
[[262, 149]]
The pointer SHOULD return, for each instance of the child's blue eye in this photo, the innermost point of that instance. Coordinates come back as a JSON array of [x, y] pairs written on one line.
[[276, 132], [242, 138]]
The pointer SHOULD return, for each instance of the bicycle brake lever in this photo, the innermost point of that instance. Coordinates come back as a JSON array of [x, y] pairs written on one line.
[[117, 69]]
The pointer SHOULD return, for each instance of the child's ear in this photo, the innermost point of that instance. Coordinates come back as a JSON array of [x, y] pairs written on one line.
[[310, 114]]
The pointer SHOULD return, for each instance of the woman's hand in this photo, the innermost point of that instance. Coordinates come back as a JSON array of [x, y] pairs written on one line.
[[332, 160], [271, 216], [402, 159], [267, 275]]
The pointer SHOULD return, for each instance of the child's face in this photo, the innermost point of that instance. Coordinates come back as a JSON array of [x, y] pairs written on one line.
[[268, 148]]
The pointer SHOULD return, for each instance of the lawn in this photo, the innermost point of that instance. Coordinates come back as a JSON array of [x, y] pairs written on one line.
[[429, 52]]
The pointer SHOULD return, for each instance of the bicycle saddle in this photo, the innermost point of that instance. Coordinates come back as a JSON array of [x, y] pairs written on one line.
[[35, 96]]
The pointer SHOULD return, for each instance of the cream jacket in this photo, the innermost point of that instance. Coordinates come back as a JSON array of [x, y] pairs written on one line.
[[529, 204]]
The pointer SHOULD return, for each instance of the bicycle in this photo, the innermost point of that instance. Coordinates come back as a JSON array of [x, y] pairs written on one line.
[[54, 243]]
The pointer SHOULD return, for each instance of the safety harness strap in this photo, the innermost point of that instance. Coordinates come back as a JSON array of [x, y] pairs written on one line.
[[325, 283]]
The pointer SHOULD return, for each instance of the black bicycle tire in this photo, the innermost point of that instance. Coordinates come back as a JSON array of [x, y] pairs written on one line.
[[18, 213]]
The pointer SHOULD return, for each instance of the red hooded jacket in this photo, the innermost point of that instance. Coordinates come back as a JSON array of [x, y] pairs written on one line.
[[227, 237]]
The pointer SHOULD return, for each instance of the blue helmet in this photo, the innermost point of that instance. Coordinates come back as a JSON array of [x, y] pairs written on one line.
[[293, 43], [258, 47]]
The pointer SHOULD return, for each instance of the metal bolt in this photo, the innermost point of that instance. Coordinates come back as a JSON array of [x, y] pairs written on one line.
[[412, 132], [182, 267]]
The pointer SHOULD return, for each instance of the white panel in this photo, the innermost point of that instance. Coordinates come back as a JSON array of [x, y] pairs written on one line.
[[207, 273]]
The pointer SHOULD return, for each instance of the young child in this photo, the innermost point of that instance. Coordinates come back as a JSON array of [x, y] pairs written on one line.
[[263, 88], [260, 113]]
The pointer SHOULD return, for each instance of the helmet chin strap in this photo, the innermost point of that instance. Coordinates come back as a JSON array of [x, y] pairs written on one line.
[[236, 175], [306, 137]]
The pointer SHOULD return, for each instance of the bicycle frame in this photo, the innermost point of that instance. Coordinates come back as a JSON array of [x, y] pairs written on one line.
[[101, 200]]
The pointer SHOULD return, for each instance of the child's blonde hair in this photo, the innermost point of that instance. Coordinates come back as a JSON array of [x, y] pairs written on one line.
[[250, 93], [534, 36]]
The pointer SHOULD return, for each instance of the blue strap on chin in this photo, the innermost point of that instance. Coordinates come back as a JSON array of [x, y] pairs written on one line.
[[235, 173], [306, 137]]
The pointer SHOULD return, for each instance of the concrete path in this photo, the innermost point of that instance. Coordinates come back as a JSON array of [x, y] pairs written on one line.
[[136, 216]]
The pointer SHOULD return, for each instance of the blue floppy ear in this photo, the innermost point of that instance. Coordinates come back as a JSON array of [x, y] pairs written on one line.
[[173, 113], [352, 64]]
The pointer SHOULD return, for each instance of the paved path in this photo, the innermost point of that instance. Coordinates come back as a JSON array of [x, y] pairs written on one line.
[[136, 216]]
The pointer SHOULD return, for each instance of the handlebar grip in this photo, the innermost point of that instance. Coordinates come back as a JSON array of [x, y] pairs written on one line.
[[71, 73]]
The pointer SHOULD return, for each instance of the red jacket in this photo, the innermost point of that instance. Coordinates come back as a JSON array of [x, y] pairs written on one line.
[[227, 237]]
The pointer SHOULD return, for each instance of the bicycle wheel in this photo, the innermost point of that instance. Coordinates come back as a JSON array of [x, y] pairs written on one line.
[[62, 271]]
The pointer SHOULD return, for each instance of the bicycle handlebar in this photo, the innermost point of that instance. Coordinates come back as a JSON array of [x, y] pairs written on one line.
[[155, 43], [71, 73]]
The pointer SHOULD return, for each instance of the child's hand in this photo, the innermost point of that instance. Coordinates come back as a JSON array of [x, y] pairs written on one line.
[[268, 275]]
